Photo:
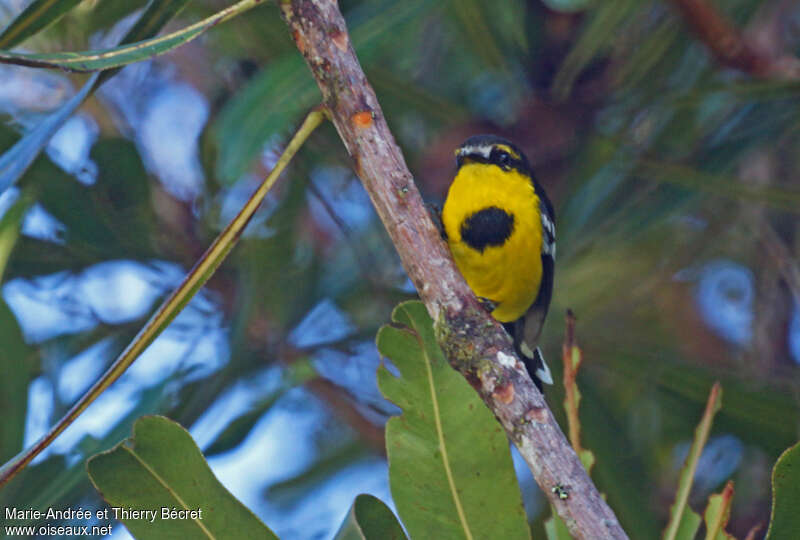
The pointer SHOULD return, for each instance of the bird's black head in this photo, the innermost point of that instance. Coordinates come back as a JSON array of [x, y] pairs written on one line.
[[493, 150]]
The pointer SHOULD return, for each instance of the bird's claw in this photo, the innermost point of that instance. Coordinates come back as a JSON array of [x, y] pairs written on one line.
[[487, 304]]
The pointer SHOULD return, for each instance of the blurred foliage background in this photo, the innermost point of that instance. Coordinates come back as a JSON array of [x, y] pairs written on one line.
[[676, 188]]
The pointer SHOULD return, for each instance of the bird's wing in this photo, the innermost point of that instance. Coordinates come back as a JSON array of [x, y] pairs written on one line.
[[528, 329]]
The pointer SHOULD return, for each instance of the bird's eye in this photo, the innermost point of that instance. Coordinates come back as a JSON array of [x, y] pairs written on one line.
[[502, 158]]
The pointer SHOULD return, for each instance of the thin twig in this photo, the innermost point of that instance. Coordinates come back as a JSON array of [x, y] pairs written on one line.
[[690, 464], [786, 263], [343, 406], [474, 343], [729, 46], [569, 350]]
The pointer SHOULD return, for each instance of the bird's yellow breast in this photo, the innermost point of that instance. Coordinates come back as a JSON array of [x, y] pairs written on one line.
[[509, 274]]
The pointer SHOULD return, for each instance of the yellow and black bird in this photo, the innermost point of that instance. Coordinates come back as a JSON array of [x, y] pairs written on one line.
[[500, 226]]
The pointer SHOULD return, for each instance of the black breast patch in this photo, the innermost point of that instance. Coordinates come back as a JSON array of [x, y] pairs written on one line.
[[488, 227]]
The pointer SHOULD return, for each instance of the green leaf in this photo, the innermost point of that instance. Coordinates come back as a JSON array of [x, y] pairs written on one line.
[[785, 520], [717, 514], [162, 467], [10, 226], [15, 161], [370, 519], [718, 184], [280, 93], [125, 54], [13, 366], [683, 521], [37, 16], [285, 88], [13, 383], [450, 468], [596, 39], [154, 18], [554, 527], [472, 22]]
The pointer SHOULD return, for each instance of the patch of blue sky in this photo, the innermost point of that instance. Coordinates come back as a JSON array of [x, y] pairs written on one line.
[[26, 93], [46, 307], [721, 457], [78, 373], [112, 292], [320, 514], [235, 401], [167, 136], [119, 291], [355, 371], [794, 334], [282, 445], [724, 295], [41, 405], [531, 494], [165, 117], [233, 198], [38, 222], [166, 358], [324, 323], [70, 147], [344, 194]]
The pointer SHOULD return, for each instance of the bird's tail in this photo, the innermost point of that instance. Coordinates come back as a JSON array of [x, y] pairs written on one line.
[[532, 358], [536, 366]]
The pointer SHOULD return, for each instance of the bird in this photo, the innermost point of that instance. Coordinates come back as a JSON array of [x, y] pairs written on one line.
[[500, 227]]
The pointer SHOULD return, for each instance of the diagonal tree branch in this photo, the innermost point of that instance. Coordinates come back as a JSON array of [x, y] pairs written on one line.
[[729, 46], [474, 343]]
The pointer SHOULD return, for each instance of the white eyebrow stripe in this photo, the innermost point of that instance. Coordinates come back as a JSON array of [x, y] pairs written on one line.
[[482, 150]]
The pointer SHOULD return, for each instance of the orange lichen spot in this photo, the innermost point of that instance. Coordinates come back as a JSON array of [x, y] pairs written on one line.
[[298, 39], [363, 119], [340, 40], [504, 394]]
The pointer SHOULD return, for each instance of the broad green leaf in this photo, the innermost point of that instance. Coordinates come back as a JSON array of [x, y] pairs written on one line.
[[173, 305], [37, 16], [450, 467], [717, 514], [370, 519], [162, 467], [785, 520], [16, 160], [125, 54], [683, 521]]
